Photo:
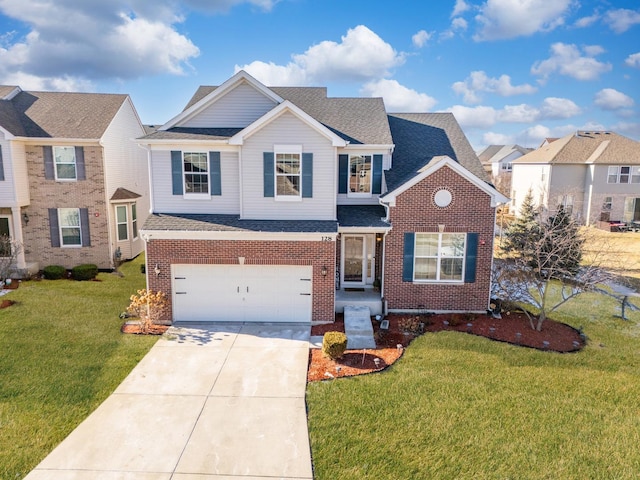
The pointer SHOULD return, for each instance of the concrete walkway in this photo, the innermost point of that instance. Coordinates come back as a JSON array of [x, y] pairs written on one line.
[[214, 402], [358, 328]]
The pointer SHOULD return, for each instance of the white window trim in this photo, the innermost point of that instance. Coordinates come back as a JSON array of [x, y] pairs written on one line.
[[286, 149], [368, 194], [634, 170], [126, 223], [190, 195], [55, 165], [134, 231], [439, 258], [60, 227]]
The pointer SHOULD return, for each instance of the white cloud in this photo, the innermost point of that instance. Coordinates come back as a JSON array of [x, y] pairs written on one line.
[[71, 43], [633, 60], [611, 99], [503, 19], [585, 22], [494, 138], [421, 38], [474, 117], [460, 7], [553, 107], [458, 24], [398, 98], [622, 19], [566, 59], [627, 128], [360, 56], [522, 113], [478, 81]]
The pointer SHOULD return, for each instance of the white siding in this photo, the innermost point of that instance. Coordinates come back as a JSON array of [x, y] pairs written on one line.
[[165, 202], [125, 165], [288, 129], [568, 180], [525, 177], [14, 190], [236, 109]]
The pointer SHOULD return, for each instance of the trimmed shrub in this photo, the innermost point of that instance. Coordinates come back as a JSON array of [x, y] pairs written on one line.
[[334, 344], [88, 271], [54, 272]]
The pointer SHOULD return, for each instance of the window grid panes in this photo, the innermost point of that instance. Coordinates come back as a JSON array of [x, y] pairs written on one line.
[[69, 220], [623, 174], [288, 174], [360, 174], [439, 256], [196, 172], [121, 222], [65, 162]]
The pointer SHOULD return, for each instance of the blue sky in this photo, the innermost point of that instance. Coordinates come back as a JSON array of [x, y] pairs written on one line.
[[512, 71]]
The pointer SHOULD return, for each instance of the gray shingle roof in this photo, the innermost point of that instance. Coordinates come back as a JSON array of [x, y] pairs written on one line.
[[183, 133], [421, 136], [124, 194], [597, 147], [362, 216], [61, 114], [358, 120], [231, 223]]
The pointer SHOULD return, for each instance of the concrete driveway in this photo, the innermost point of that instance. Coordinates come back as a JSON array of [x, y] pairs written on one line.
[[207, 402]]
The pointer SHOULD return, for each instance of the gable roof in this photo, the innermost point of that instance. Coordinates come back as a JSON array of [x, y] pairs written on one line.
[[355, 120], [419, 137], [59, 114], [586, 147], [497, 153]]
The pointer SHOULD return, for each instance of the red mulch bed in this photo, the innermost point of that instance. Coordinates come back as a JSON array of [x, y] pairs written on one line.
[[134, 328], [6, 303], [559, 337]]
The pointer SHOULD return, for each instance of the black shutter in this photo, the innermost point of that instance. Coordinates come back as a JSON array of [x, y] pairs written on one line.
[[343, 173], [471, 257], [307, 175], [407, 260], [54, 230], [47, 154], [377, 174], [214, 173], [1, 165], [268, 174], [176, 172], [84, 227], [80, 168]]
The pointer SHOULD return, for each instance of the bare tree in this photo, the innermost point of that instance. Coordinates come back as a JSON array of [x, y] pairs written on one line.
[[9, 251], [548, 257]]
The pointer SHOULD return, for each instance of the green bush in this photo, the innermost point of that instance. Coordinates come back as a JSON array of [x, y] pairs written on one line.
[[54, 272], [334, 344], [87, 271]]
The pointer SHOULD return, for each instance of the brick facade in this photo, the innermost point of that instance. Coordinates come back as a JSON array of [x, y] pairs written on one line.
[[470, 212], [164, 253], [45, 194]]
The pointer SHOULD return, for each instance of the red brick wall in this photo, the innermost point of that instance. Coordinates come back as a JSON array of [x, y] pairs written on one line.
[[318, 254], [415, 211]]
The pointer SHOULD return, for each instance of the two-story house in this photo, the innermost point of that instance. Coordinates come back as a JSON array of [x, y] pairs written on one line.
[[282, 204], [497, 160], [595, 175], [73, 181]]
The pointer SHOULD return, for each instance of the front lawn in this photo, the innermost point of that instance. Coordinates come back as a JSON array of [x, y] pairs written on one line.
[[464, 407], [61, 355]]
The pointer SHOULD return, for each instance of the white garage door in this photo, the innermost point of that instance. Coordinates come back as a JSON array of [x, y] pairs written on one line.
[[242, 293]]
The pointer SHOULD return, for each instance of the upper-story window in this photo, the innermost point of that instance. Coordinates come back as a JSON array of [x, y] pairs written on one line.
[[288, 165], [65, 163], [506, 166], [360, 174], [196, 173], [623, 174]]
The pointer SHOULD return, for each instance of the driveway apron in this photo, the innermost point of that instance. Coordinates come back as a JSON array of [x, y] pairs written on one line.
[[207, 402]]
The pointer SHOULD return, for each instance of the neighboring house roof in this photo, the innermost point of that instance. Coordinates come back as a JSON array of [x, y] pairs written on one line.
[[124, 194], [7, 90], [586, 147], [497, 153], [59, 114], [357, 120], [362, 216], [181, 133], [419, 137], [233, 223]]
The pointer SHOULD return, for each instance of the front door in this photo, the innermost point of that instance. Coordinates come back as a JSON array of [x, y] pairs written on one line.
[[358, 260]]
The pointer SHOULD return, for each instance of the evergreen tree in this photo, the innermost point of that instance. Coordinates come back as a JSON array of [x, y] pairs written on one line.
[[524, 230], [562, 246]]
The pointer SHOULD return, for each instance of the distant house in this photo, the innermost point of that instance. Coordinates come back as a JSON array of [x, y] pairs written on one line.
[[73, 182], [595, 175], [497, 160], [282, 204]]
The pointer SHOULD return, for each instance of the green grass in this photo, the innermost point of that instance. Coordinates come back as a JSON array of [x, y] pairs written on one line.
[[464, 407], [61, 355]]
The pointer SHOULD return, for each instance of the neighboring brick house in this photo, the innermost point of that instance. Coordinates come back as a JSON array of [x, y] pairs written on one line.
[[73, 182], [283, 204], [595, 175]]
